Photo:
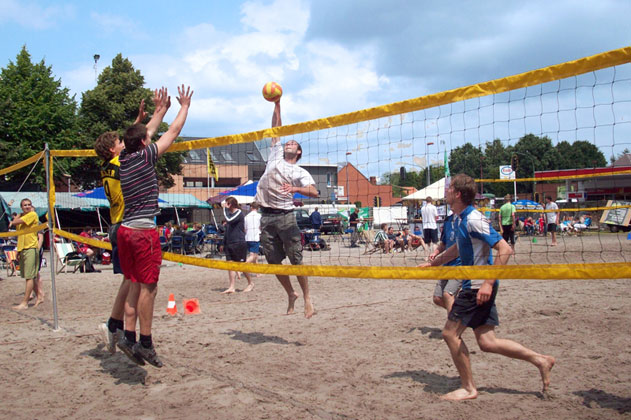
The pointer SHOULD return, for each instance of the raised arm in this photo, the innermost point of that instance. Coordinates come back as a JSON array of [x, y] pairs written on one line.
[[167, 139], [162, 100], [276, 121]]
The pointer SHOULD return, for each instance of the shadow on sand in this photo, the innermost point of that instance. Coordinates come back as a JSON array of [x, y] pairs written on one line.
[[605, 400], [259, 338], [118, 366]]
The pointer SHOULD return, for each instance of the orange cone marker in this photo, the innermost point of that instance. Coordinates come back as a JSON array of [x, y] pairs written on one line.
[[191, 306], [171, 308]]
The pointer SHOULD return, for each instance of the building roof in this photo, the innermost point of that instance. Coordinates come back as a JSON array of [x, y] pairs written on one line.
[[624, 160]]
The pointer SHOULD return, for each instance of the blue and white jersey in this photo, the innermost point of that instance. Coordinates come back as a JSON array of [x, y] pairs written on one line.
[[448, 236], [475, 238]]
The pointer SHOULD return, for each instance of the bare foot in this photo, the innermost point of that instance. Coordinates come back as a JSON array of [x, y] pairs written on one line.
[[21, 306], [227, 291], [460, 394], [545, 366], [290, 304], [309, 309], [249, 288], [38, 302]]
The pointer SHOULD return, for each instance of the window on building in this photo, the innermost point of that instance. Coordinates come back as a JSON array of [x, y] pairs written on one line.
[[328, 180], [227, 156], [251, 156]]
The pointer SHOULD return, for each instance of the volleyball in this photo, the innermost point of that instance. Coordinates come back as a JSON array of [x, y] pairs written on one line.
[[272, 91]]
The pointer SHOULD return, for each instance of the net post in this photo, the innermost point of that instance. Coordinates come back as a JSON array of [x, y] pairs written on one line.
[[51, 236]]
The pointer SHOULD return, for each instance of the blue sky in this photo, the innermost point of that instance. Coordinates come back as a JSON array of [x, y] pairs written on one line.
[[330, 56]]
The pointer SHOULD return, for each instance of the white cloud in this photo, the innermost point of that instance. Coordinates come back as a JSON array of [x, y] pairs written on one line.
[[79, 80], [31, 15], [280, 16], [116, 24]]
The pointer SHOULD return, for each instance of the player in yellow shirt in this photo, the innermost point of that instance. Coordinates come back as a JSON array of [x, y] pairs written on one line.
[[28, 249]]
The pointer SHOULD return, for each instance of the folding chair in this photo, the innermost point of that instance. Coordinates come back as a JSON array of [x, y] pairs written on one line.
[[12, 263], [177, 242], [67, 256]]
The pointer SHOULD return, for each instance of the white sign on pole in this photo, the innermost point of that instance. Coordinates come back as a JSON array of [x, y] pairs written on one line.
[[506, 172]]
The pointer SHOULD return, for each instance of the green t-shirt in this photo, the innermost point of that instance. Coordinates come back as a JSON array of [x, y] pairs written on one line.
[[506, 212]]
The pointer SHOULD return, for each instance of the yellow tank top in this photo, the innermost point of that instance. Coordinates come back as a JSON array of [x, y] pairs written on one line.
[[112, 186]]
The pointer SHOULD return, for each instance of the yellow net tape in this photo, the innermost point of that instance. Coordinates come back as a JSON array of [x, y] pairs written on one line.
[[531, 78], [23, 231], [22, 164]]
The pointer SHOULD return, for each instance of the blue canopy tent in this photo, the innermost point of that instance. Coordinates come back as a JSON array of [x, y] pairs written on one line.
[[249, 190], [527, 205]]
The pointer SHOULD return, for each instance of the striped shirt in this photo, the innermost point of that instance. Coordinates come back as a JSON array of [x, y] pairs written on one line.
[[139, 183]]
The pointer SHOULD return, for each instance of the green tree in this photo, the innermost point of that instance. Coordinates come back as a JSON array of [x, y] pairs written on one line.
[[581, 154], [113, 106], [34, 109], [496, 155], [467, 159]]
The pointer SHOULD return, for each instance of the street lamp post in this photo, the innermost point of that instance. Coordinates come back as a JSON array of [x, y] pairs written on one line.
[[429, 167], [532, 161], [348, 195]]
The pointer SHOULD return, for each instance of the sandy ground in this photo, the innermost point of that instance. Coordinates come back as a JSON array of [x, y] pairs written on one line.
[[372, 351]]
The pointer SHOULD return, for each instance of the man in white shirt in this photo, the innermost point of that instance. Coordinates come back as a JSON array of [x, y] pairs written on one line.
[[280, 235], [430, 228], [253, 234], [552, 218]]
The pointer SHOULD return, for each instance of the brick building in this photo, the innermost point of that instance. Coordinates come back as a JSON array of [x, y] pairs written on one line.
[[363, 189]]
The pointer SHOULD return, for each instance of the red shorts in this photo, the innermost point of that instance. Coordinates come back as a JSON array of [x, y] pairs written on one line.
[[140, 254]]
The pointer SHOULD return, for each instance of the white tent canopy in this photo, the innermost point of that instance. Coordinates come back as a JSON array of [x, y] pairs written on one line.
[[435, 190]]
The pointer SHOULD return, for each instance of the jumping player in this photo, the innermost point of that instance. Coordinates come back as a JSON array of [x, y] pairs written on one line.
[[138, 239], [108, 147], [280, 235]]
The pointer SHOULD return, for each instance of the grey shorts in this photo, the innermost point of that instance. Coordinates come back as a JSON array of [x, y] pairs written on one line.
[[447, 286], [470, 314], [280, 238]]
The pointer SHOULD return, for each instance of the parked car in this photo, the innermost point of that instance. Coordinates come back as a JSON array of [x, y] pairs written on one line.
[[302, 218], [331, 223]]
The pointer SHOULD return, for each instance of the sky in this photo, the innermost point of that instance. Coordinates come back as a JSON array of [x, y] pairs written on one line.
[[330, 57]]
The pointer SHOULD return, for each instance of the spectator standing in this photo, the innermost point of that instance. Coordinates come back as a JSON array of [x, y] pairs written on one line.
[[430, 228], [507, 220], [552, 218]]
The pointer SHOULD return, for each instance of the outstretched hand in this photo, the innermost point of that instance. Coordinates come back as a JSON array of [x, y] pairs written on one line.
[[184, 97], [161, 99], [141, 112]]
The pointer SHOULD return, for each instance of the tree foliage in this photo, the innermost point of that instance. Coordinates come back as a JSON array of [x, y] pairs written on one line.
[[534, 154], [34, 109], [113, 106]]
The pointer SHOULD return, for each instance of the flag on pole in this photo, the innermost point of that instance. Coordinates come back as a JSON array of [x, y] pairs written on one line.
[[212, 170], [447, 174]]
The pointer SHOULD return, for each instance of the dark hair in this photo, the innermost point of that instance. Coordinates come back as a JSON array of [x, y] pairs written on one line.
[[104, 143], [254, 205], [134, 137], [384, 226], [232, 202], [465, 185], [549, 197]]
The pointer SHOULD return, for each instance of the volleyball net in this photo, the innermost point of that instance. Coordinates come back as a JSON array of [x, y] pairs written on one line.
[[563, 130]]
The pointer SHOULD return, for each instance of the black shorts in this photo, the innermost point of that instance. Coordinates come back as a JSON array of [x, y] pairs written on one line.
[[552, 227], [237, 251], [508, 234], [470, 314], [430, 235]]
